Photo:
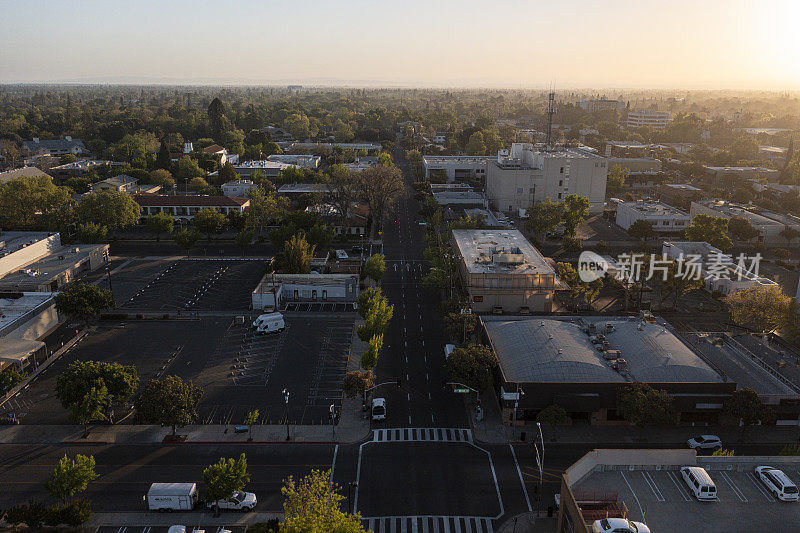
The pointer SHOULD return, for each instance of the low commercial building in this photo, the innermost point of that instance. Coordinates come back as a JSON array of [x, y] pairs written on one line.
[[327, 148], [294, 190], [769, 225], [238, 188], [461, 198], [647, 118], [24, 172], [664, 218], [58, 268], [270, 169], [184, 208], [55, 147], [80, 168], [746, 173], [20, 248], [636, 165], [646, 485], [26, 315], [678, 193], [503, 272], [599, 104], [720, 273], [124, 183], [308, 161], [455, 167], [523, 176], [275, 290], [362, 163]]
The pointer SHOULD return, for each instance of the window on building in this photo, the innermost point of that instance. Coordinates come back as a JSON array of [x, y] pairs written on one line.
[[561, 171], [559, 196], [560, 183], [519, 190]]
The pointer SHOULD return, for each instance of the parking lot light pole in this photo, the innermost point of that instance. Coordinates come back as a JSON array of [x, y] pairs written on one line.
[[286, 400], [332, 415], [541, 470], [349, 494]]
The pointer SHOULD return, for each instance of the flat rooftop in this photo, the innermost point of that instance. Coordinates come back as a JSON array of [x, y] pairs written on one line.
[[48, 268], [554, 350], [657, 495], [736, 210], [266, 283], [301, 188], [654, 208], [13, 241], [681, 186], [505, 251], [15, 306], [456, 159], [458, 197]]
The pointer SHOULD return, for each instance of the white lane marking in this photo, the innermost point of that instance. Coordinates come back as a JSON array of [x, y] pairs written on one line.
[[674, 478], [522, 482], [429, 395], [641, 511], [427, 377], [653, 486], [409, 420], [407, 378], [425, 358], [333, 463], [405, 343], [736, 489], [432, 421], [409, 396], [755, 481]]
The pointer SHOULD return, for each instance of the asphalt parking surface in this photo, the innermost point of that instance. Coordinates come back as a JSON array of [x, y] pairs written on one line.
[[163, 529], [250, 370], [187, 284], [238, 369]]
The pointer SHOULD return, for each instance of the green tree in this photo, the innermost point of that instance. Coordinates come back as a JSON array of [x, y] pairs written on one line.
[[314, 505], [763, 309], [588, 291], [709, 229], [476, 144], [83, 301], [553, 415], [473, 365], [161, 177], [789, 233], [640, 404], [677, 285], [250, 420], [616, 179], [92, 233], [10, 377], [374, 267], [114, 209], [380, 186], [216, 118], [197, 184], [243, 239], [357, 381], [159, 223], [67, 158], [92, 407], [169, 401], [642, 229], [187, 168], [265, 208], [374, 346], [226, 174], [376, 319], [224, 478], [744, 406], [492, 141], [163, 157], [297, 255], [460, 325], [741, 229], [73, 514], [367, 300], [544, 217], [89, 389], [186, 238], [210, 221], [35, 203], [576, 209], [71, 476]]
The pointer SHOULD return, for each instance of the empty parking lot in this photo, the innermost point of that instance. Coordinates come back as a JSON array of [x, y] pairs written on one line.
[[663, 501]]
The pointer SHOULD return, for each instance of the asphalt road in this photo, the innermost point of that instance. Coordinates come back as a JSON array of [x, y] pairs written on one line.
[[414, 344]]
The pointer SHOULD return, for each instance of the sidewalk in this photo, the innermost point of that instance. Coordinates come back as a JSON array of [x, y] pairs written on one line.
[[491, 430], [188, 519]]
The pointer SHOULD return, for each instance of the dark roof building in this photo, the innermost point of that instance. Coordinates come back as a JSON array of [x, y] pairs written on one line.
[[67, 145], [183, 208]]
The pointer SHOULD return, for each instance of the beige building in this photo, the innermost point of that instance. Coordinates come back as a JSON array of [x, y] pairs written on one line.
[[503, 272]]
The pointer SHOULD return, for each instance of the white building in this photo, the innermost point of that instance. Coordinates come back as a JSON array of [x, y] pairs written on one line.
[[647, 118], [663, 217], [299, 160], [238, 188], [456, 166], [598, 104], [719, 271], [184, 208], [519, 177], [270, 169], [304, 288], [769, 225]]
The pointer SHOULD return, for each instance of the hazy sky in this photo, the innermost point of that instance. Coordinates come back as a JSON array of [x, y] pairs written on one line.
[[576, 43]]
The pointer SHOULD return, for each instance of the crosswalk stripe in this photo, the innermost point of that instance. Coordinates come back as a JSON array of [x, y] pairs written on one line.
[[422, 435], [429, 524]]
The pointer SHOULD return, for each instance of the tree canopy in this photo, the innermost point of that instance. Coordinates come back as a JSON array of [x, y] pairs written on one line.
[[83, 301], [314, 505], [473, 365], [169, 401]]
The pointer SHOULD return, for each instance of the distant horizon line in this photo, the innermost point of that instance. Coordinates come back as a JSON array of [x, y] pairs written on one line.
[[372, 84]]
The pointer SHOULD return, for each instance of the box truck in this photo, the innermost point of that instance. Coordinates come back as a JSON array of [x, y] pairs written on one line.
[[166, 497]]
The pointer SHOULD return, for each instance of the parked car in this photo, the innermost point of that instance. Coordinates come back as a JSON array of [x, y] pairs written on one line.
[[379, 409], [778, 483], [704, 442], [240, 501], [341, 254], [699, 482], [618, 525]]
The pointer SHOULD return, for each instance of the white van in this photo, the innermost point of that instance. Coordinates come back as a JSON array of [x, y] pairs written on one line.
[[260, 319], [699, 482], [166, 497], [270, 323], [448, 349], [778, 483]]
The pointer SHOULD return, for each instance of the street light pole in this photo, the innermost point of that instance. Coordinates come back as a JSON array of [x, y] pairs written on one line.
[[286, 400], [541, 471], [349, 500]]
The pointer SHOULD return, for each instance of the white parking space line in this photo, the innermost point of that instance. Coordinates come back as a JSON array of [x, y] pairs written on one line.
[[641, 511], [653, 486], [736, 489], [678, 482], [760, 486]]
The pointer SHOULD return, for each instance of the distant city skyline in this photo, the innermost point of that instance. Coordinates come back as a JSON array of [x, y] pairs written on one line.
[[512, 43]]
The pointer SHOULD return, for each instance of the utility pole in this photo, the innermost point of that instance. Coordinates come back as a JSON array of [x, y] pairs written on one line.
[[286, 400]]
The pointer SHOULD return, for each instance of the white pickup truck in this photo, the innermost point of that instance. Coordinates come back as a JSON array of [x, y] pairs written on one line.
[[240, 501]]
